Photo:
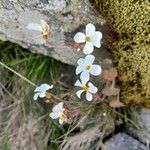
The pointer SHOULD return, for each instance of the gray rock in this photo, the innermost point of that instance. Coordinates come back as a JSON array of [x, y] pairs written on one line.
[[65, 18], [141, 117], [122, 141]]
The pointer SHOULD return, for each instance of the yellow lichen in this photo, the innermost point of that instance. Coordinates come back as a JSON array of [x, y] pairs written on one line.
[[129, 19]]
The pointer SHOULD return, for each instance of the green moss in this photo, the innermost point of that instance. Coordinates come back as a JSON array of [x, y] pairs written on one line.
[[129, 19]]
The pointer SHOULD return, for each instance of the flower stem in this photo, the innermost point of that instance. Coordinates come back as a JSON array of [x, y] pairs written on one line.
[[19, 75]]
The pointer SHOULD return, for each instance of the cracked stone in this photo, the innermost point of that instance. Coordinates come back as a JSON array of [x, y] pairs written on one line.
[[122, 141]]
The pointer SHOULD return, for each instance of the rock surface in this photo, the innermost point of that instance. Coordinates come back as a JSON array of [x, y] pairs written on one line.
[[65, 18], [122, 141], [142, 119]]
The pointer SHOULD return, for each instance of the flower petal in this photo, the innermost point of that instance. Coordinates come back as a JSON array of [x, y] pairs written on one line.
[[89, 96], [80, 61], [88, 48], [79, 69], [38, 89], [44, 87], [85, 76], [79, 93], [96, 39], [92, 88], [42, 94], [60, 121], [58, 108], [78, 83], [51, 86], [79, 37], [96, 70], [34, 27], [54, 115], [89, 59], [90, 29], [36, 95]]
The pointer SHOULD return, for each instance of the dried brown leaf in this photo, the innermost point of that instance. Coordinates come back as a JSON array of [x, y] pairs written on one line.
[[75, 45], [110, 74], [47, 101], [49, 98], [110, 91], [115, 103]]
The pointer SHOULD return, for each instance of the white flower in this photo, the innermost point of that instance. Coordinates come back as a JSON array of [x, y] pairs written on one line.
[[86, 67], [91, 38], [43, 28], [89, 89], [40, 91], [58, 112]]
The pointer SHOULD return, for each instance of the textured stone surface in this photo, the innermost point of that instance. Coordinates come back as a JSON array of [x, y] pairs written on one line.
[[142, 119], [122, 141], [65, 18]]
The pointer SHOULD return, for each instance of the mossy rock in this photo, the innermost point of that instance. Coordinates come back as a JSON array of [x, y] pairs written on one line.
[[129, 20]]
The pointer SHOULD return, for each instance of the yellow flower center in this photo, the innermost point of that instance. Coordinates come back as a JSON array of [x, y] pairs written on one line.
[[85, 88], [87, 39], [88, 67], [62, 116]]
